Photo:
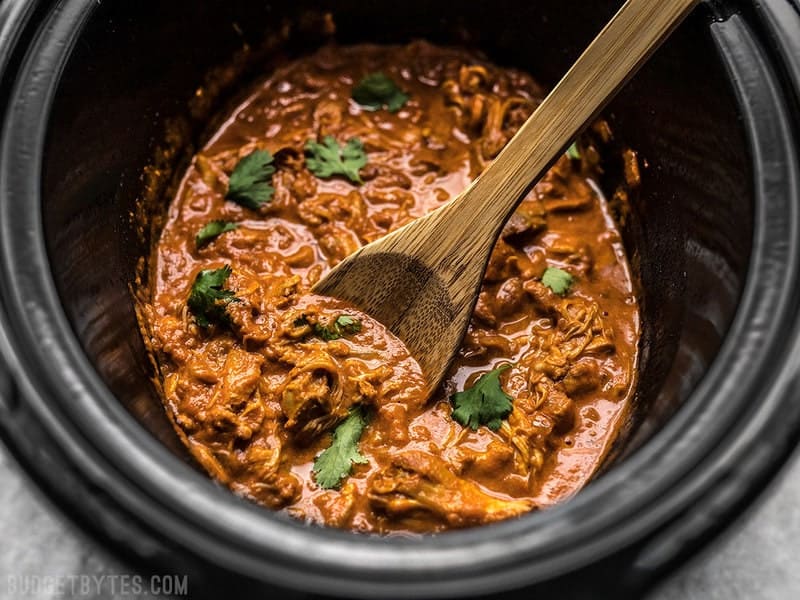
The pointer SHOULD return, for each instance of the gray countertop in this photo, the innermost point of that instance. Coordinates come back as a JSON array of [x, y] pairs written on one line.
[[757, 560]]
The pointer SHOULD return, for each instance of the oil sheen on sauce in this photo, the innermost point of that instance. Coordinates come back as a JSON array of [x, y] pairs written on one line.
[[257, 400]]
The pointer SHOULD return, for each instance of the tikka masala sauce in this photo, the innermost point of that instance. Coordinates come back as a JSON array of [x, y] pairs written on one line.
[[256, 399]]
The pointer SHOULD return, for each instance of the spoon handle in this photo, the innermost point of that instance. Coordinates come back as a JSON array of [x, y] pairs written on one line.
[[614, 56]]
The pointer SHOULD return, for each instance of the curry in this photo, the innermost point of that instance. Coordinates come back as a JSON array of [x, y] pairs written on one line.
[[306, 405]]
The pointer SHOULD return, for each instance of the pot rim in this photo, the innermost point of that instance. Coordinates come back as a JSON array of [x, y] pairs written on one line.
[[717, 436]]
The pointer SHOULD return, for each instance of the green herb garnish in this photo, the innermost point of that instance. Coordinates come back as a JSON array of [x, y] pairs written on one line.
[[250, 184], [377, 90], [328, 158], [208, 299], [485, 403], [336, 462], [557, 280], [212, 230], [573, 151], [340, 327]]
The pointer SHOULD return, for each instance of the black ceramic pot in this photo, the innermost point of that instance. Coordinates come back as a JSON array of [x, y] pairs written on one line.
[[86, 89]]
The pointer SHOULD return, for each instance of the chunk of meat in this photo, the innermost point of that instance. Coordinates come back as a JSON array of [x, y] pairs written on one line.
[[508, 299], [583, 377], [383, 176], [580, 197], [576, 252], [334, 208], [418, 481], [234, 405], [543, 299], [313, 399], [487, 462], [327, 117], [484, 309], [337, 507], [559, 408], [337, 243], [239, 378], [502, 263], [528, 220]]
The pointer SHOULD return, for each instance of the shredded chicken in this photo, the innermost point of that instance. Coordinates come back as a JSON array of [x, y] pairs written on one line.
[[257, 396]]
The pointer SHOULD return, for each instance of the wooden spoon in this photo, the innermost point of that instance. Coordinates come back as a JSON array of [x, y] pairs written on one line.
[[422, 281]]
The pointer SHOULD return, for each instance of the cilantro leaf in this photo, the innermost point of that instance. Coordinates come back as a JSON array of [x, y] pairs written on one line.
[[250, 184], [335, 462], [208, 299], [328, 158], [485, 403], [212, 230], [377, 90], [557, 280], [573, 151], [340, 327]]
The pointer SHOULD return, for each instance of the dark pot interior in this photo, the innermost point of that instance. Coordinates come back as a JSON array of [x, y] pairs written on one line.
[[718, 202], [137, 70]]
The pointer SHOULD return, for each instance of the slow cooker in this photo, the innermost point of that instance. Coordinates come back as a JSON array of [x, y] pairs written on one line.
[[88, 90]]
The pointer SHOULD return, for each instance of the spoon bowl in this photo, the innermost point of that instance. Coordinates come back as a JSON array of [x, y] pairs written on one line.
[[422, 280]]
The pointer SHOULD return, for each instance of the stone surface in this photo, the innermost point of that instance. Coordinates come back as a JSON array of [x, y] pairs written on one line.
[[759, 560]]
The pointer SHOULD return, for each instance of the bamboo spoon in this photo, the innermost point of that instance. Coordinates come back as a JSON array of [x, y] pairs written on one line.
[[422, 281]]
